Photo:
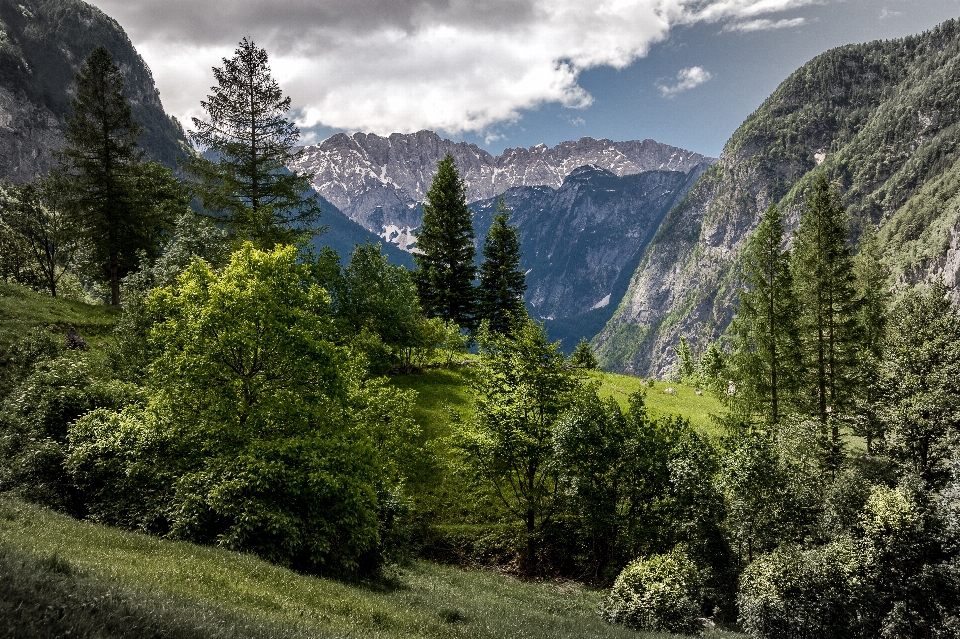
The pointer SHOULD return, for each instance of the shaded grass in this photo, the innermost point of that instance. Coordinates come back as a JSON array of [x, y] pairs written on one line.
[[149, 587], [22, 310]]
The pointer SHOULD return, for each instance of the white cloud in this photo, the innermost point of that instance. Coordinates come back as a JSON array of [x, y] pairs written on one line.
[[387, 66], [764, 24], [887, 13], [686, 79]]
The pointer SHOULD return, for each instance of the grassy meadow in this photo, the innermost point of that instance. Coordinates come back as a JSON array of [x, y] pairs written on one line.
[[75, 578]]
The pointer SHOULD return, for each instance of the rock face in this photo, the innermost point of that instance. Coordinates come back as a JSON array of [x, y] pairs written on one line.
[[585, 209], [380, 182], [43, 43], [579, 239], [882, 119]]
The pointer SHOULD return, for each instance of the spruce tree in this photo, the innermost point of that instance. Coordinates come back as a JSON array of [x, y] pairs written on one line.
[[120, 203], [874, 296], [766, 357], [825, 284], [502, 283], [252, 144], [445, 268]]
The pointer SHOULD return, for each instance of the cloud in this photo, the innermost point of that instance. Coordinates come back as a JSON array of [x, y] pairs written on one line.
[[887, 13], [764, 24], [387, 66], [686, 79]]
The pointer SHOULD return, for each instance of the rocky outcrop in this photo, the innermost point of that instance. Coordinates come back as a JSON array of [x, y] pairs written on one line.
[[43, 43]]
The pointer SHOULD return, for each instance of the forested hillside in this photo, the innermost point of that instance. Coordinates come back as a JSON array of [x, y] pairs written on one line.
[[880, 118]]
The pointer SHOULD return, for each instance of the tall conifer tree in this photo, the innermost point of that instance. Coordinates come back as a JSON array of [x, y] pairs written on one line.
[[871, 281], [826, 289], [252, 143], [766, 359], [119, 202], [502, 283], [445, 268]]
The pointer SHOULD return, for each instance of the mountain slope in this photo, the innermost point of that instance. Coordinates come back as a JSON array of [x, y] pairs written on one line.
[[581, 241], [881, 118], [43, 44], [380, 182]]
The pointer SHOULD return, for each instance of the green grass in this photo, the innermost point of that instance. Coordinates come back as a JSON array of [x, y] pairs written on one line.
[[157, 587], [441, 390], [22, 310], [697, 408]]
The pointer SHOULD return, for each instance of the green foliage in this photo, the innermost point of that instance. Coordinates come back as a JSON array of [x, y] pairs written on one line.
[[583, 357], [660, 593], [118, 202], [378, 297], [794, 592], [38, 236], [502, 283], [921, 396], [825, 287], [766, 358], [523, 388], [254, 143], [445, 268]]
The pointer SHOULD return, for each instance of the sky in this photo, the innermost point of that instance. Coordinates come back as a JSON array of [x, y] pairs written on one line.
[[512, 73]]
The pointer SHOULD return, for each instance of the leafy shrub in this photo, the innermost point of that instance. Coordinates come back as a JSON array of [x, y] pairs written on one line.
[[121, 464], [659, 593], [797, 592], [583, 356]]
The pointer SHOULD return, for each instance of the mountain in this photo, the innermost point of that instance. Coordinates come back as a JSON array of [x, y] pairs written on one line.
[[586, 209], [43, 45], [582, 241], [882, 119], [380, 182]]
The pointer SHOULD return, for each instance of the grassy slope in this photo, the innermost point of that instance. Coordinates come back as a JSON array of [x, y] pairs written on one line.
[[442, 390], [22, 310], [192, 590]]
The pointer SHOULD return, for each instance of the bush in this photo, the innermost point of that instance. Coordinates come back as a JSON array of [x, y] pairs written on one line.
[[797, 592], [659, 593]]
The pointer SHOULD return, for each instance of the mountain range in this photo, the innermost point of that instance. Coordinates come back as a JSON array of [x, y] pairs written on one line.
[[634, 244]]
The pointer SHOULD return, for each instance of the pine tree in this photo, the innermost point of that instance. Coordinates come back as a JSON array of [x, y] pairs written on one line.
[[120, 203], [253, 143], [825, 285], [766, 357], [871, 282], [502, 283], [445, 269]]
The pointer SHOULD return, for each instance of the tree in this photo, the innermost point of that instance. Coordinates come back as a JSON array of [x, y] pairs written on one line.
[[766, 353], [824, 279], [445, 269], [375, 296], [523, 388], [253, 144], [922, 386], [118, 202], [583, 356], [871, 282], [43, 235], [502, 283]]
